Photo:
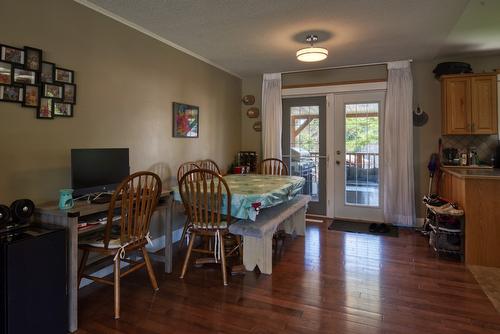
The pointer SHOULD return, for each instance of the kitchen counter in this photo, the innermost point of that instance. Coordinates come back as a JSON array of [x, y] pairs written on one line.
[[473, 173]]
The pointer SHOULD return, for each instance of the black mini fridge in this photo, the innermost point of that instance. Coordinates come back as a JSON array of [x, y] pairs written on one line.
[[33, 293]]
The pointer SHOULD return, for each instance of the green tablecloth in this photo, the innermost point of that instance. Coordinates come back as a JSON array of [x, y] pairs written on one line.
[[263, 191]]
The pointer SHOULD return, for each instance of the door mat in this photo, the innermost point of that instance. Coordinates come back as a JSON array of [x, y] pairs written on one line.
[[360, 227]]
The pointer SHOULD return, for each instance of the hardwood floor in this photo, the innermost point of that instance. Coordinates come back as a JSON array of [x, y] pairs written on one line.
[[327, 282]]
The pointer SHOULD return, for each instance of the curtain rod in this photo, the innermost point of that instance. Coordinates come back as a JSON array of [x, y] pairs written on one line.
[[342, 66]]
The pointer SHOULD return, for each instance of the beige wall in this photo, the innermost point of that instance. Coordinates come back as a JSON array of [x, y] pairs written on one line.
[[126, 85], [427, 94], [251, 139]]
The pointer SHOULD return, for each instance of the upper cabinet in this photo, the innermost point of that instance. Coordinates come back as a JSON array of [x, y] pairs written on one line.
[[469, 104]]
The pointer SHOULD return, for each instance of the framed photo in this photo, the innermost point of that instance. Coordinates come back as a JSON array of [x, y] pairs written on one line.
[[5, 73], [31, 96], [185, 121], [62, 109], [24, 76], [53, 91], [47, 74], [69, 93], [11, 54], [33, 59], [45, 109], [11, 93], [63, 75]]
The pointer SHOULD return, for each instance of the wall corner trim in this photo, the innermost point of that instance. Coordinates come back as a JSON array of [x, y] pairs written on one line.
[[151, 34]]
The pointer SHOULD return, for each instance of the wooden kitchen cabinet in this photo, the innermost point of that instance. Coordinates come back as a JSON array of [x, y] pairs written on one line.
[[469, 104]]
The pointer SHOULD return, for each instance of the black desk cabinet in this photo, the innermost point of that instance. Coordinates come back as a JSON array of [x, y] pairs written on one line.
[[33, 292]]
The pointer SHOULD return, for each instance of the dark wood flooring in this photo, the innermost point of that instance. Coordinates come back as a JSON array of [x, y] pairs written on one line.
[[327, 282]]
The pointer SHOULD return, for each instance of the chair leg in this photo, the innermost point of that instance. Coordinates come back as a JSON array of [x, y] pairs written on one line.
[[223, 258], [240, 248], [117, 288], [149, 267], [188, 254], [83, 262]]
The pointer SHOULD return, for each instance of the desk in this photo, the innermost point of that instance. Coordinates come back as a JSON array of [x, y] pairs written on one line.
[[50, 213]]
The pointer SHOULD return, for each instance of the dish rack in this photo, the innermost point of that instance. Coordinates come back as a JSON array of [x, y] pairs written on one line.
[[447, 232]]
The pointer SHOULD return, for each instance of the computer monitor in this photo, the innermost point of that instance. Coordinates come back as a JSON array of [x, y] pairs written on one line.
[[98, 169]]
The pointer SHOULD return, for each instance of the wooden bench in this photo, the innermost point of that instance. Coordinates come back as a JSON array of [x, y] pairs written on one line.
[[258, 235]]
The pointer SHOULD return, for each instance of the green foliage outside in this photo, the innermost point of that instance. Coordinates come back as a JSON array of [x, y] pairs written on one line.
[[360, 132]]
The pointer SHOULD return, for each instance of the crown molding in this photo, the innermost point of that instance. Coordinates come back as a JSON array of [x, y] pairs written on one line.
[[149, 33]]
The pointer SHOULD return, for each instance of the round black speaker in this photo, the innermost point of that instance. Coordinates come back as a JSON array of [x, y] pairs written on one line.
[[4, 215], [21, 210]]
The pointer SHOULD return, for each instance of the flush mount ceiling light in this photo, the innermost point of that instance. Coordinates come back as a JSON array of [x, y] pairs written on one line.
[[312, 53]]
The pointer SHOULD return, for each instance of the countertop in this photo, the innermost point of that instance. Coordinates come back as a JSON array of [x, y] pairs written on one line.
[[473, 173]]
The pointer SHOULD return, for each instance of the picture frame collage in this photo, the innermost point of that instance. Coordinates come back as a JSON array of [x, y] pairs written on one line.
[[26, 78]]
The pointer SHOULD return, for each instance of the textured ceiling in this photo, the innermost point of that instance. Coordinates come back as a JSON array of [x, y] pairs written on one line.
[[257, 36]]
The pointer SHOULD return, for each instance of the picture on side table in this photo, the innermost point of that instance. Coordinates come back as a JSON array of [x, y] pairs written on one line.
[[185, 121], [24, 76], [11, 54], [45, 109], [5, 73], [63, 75], [31, 96], [33, 58], [47, 74], [54, 91], [62, 109], [11, 93]]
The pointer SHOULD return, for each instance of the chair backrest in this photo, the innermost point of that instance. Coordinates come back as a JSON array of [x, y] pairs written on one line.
[[138, 195], [210, 165], [203, 192], [184, 168], [273, 166]]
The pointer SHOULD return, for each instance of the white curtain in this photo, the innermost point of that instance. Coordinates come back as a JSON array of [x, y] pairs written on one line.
[[399, 195], [271, 115]]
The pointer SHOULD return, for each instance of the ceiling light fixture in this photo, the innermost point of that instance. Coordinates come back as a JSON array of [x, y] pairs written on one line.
[[312, 54]]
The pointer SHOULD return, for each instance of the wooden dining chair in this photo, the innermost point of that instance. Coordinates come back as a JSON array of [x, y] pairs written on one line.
[[273, 166], [210, 165], [202, 192], [183, 169], [135, 198]]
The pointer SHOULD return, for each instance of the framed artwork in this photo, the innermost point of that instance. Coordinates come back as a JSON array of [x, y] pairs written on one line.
[[11, 54], [63, 75], [11, 93], [69, 93], [5, 73], [53, 91], [47, 74], [24, 76], [62, 109], [185, 121], [45, 109], [33, 59], [31, 96]]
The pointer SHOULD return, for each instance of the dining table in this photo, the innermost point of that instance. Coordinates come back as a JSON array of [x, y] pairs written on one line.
[[251, 193]]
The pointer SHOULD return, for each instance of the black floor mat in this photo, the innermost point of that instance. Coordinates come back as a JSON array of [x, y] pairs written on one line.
[[360, 227]]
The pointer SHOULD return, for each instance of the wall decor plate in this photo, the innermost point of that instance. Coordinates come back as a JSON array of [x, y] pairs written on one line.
[[248, 100], [253, 112], [257, 126]]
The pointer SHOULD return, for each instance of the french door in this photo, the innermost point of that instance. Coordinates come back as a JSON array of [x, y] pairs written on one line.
[[304, 146], [356, 148]]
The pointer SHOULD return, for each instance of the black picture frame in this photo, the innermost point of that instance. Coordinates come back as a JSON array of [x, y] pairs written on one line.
[[7, 55], [59, 71], [47, 72], [33, 59], [16, 80], [6, 71], [67, 97], [42, 112], [58, 111], [29, 100], [48, 94], [7, 89], [185, 120]]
